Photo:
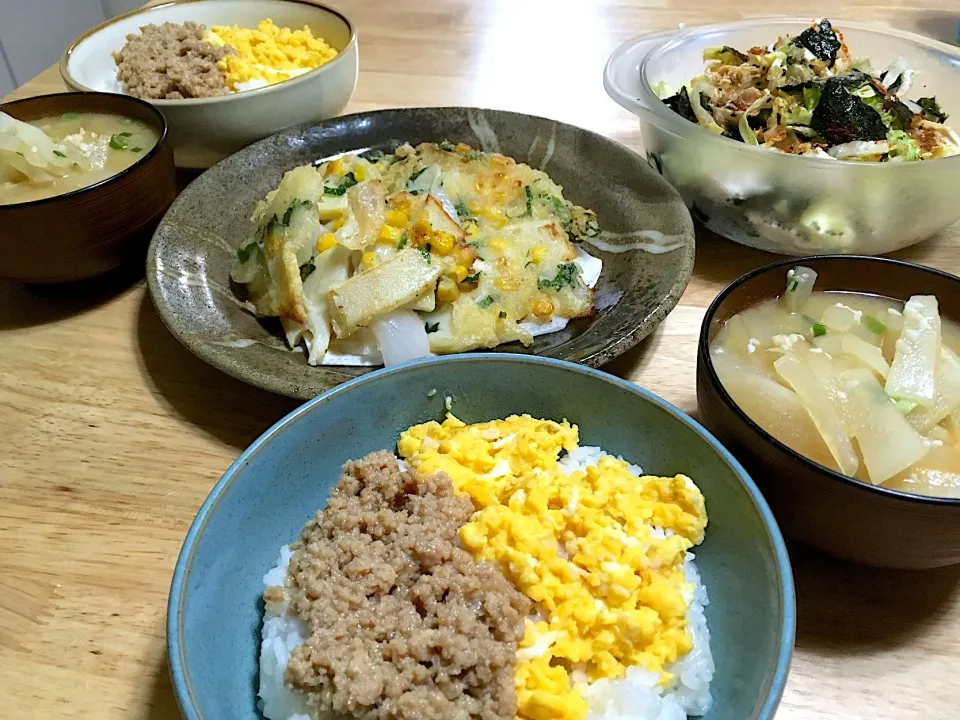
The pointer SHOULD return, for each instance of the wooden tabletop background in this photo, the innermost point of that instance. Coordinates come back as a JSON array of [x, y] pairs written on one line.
[[112, 434]]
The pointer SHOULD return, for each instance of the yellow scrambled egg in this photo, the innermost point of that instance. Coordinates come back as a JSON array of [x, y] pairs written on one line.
[[601, 551], [269, 54]]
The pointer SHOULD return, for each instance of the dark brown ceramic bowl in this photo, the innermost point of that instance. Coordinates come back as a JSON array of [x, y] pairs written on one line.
[[95, 229], [813, 504]]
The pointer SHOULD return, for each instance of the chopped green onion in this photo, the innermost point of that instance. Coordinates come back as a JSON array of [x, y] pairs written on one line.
[[71, 116], [904, 406], [485, 302], [59, 154], [431, 328], [118, 142], [472, 278], [819, 329], [792, 287], [403, 242], [426, 254], [874, 325]]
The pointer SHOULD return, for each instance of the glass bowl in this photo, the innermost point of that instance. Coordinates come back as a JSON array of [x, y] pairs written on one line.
[[787, 204]]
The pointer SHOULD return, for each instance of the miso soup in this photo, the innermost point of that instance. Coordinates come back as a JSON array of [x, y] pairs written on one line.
[[56, 155], [864, 385]]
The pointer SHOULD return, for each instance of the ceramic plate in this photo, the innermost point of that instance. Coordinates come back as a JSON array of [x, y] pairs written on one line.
[[647, 243]]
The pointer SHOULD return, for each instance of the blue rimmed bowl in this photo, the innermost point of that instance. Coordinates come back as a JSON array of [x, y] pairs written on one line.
[[278, 483]]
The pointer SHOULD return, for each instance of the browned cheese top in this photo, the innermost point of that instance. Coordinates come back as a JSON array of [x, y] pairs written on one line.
[[402, 622]]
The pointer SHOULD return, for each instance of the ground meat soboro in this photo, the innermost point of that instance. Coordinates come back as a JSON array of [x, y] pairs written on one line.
[[403, 623], [171, 61]]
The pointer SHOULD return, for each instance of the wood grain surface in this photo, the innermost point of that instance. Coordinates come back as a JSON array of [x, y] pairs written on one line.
[[112, 434]]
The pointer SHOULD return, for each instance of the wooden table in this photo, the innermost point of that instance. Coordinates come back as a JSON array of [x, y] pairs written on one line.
[[112, 434]]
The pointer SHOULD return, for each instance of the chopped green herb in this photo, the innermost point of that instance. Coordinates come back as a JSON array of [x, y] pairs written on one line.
[[118, 142], [485, 302], [244, 253], [463, 212], [819, 329], [403, 242], [136, 149], [874, 325], [502, 315], [529, 211], [447, 146], [426, 254], [567, 274], [59, 154], [125, 134], [472, 278], [271, 225], [412, 178], [288, 215], [792, 287], [71, 116], [306, 269], [431, 328], [348, 182]]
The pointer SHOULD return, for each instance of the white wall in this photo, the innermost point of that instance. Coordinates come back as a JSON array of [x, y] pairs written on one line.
[[116, 7], [6, 77], [34, 33]]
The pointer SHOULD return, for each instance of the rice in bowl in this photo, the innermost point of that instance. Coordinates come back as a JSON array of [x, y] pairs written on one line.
[[489, 464]]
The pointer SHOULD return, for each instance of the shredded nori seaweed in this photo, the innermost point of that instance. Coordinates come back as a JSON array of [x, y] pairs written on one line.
[[931, 110], [759, 121], [900, 114], [821, 40], [841, 117], [680, 104]]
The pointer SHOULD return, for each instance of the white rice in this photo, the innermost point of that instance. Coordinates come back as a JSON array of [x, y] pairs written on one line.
[[636, 696]]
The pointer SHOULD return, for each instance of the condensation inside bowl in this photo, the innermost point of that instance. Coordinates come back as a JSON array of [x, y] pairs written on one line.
[[798, 206], [91, 65]]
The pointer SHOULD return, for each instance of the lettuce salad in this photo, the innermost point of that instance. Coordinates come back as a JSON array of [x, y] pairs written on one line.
[[806, 95]]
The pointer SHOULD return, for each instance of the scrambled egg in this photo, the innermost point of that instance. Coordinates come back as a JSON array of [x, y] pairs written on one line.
[[601, 551], [269, 54]]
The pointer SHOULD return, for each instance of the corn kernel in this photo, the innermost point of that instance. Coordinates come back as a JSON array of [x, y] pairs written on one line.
[[459, 273], [465, 255], [337, 167], [368, 259], [338, 223], [327, 214], [422, 233], [507, 283], [498, 244], [472, 229], [360, 173], [397, 218], [443, 243], [326, 241], [538, 253], [543, 308], [447, 290], [390, 234]]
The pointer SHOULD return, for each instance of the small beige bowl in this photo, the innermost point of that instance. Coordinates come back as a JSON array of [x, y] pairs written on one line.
[[204, 131]]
